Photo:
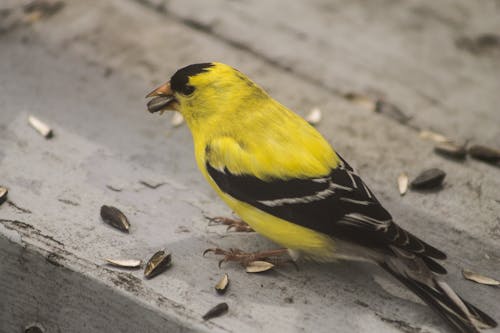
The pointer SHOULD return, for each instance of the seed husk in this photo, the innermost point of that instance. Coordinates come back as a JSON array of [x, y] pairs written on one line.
[[159, 103], [428, 179], [221, 286], [258, 266], [34, 328], [433, 136], [451, 149], [314, 116], [484, 153], [158, 263], [216, 311], [3, 194], [177, 119], [476, 277], [403, 183], [125, 263], [40, 126], [114, 217], [362, 100]]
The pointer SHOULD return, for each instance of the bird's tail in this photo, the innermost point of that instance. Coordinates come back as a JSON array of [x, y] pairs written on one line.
[[461, 315]]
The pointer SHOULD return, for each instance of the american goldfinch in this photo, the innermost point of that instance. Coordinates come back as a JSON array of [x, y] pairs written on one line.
[[284, 179]]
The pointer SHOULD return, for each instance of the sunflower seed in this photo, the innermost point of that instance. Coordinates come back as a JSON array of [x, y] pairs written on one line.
[[158, 103], [403, 183], [3, 194], [40, 126], [469, 275], [113, 216], [125, 263], [451, 149], [221, 287], [429, 179], [484, 153], [433, 136], [314, 116], [216, 311], [258, 266], [158, 263]]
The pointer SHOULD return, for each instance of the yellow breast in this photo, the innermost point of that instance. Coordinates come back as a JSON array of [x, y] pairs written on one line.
[[310, 243]]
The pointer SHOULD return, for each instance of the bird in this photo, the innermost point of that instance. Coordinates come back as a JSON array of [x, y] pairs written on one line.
[[283, 179]]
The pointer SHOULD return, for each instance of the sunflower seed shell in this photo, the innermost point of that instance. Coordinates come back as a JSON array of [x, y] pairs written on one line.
[[114, 217], [221, 287], [484, 153], [258, 266], [125, 263], [216, 311], [433, 136], [34, 328], [158, 103], [450, 149], [362, 100], [40, 127], [177, 119], [159, 262], [429, 179], [403, 183], [3, 194], [469, 275], [314, 116]]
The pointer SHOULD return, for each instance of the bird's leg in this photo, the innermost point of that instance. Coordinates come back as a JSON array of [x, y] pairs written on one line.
[[246, 258], [238, 224]]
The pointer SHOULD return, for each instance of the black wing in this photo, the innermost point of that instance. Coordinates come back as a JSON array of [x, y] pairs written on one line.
[[338, 204]]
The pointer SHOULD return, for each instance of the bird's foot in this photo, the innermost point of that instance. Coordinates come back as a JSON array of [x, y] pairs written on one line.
[[245, 258], [236, 224]]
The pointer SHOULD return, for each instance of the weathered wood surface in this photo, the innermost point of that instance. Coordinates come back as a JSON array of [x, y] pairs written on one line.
[[85, 71], [422, 55]]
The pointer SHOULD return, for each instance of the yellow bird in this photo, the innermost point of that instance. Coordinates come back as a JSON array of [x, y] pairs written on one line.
[[282, 177]]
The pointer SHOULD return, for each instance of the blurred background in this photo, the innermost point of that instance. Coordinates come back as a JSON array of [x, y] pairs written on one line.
[[437, 62]]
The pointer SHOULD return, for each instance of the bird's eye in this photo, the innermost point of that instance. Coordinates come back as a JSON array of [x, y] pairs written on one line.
[[187, 89]]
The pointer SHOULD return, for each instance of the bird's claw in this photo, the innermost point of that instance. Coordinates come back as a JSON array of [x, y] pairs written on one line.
[[246, 258], [216, 251], [240, 227], [236, 224]]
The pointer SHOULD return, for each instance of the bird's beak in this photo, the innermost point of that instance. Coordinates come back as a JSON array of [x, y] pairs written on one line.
[[163, 90], [164, 99]]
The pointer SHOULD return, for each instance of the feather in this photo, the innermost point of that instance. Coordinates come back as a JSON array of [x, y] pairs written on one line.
[[339, 205]]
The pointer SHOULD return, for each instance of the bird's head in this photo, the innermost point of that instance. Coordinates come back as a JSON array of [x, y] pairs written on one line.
[[201, 90]]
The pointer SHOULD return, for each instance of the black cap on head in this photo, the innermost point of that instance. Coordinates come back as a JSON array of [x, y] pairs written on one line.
[[179, 81]]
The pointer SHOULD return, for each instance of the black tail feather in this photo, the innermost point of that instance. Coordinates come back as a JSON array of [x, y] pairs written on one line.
[[461, 315], [485, 319], [434, 266]]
